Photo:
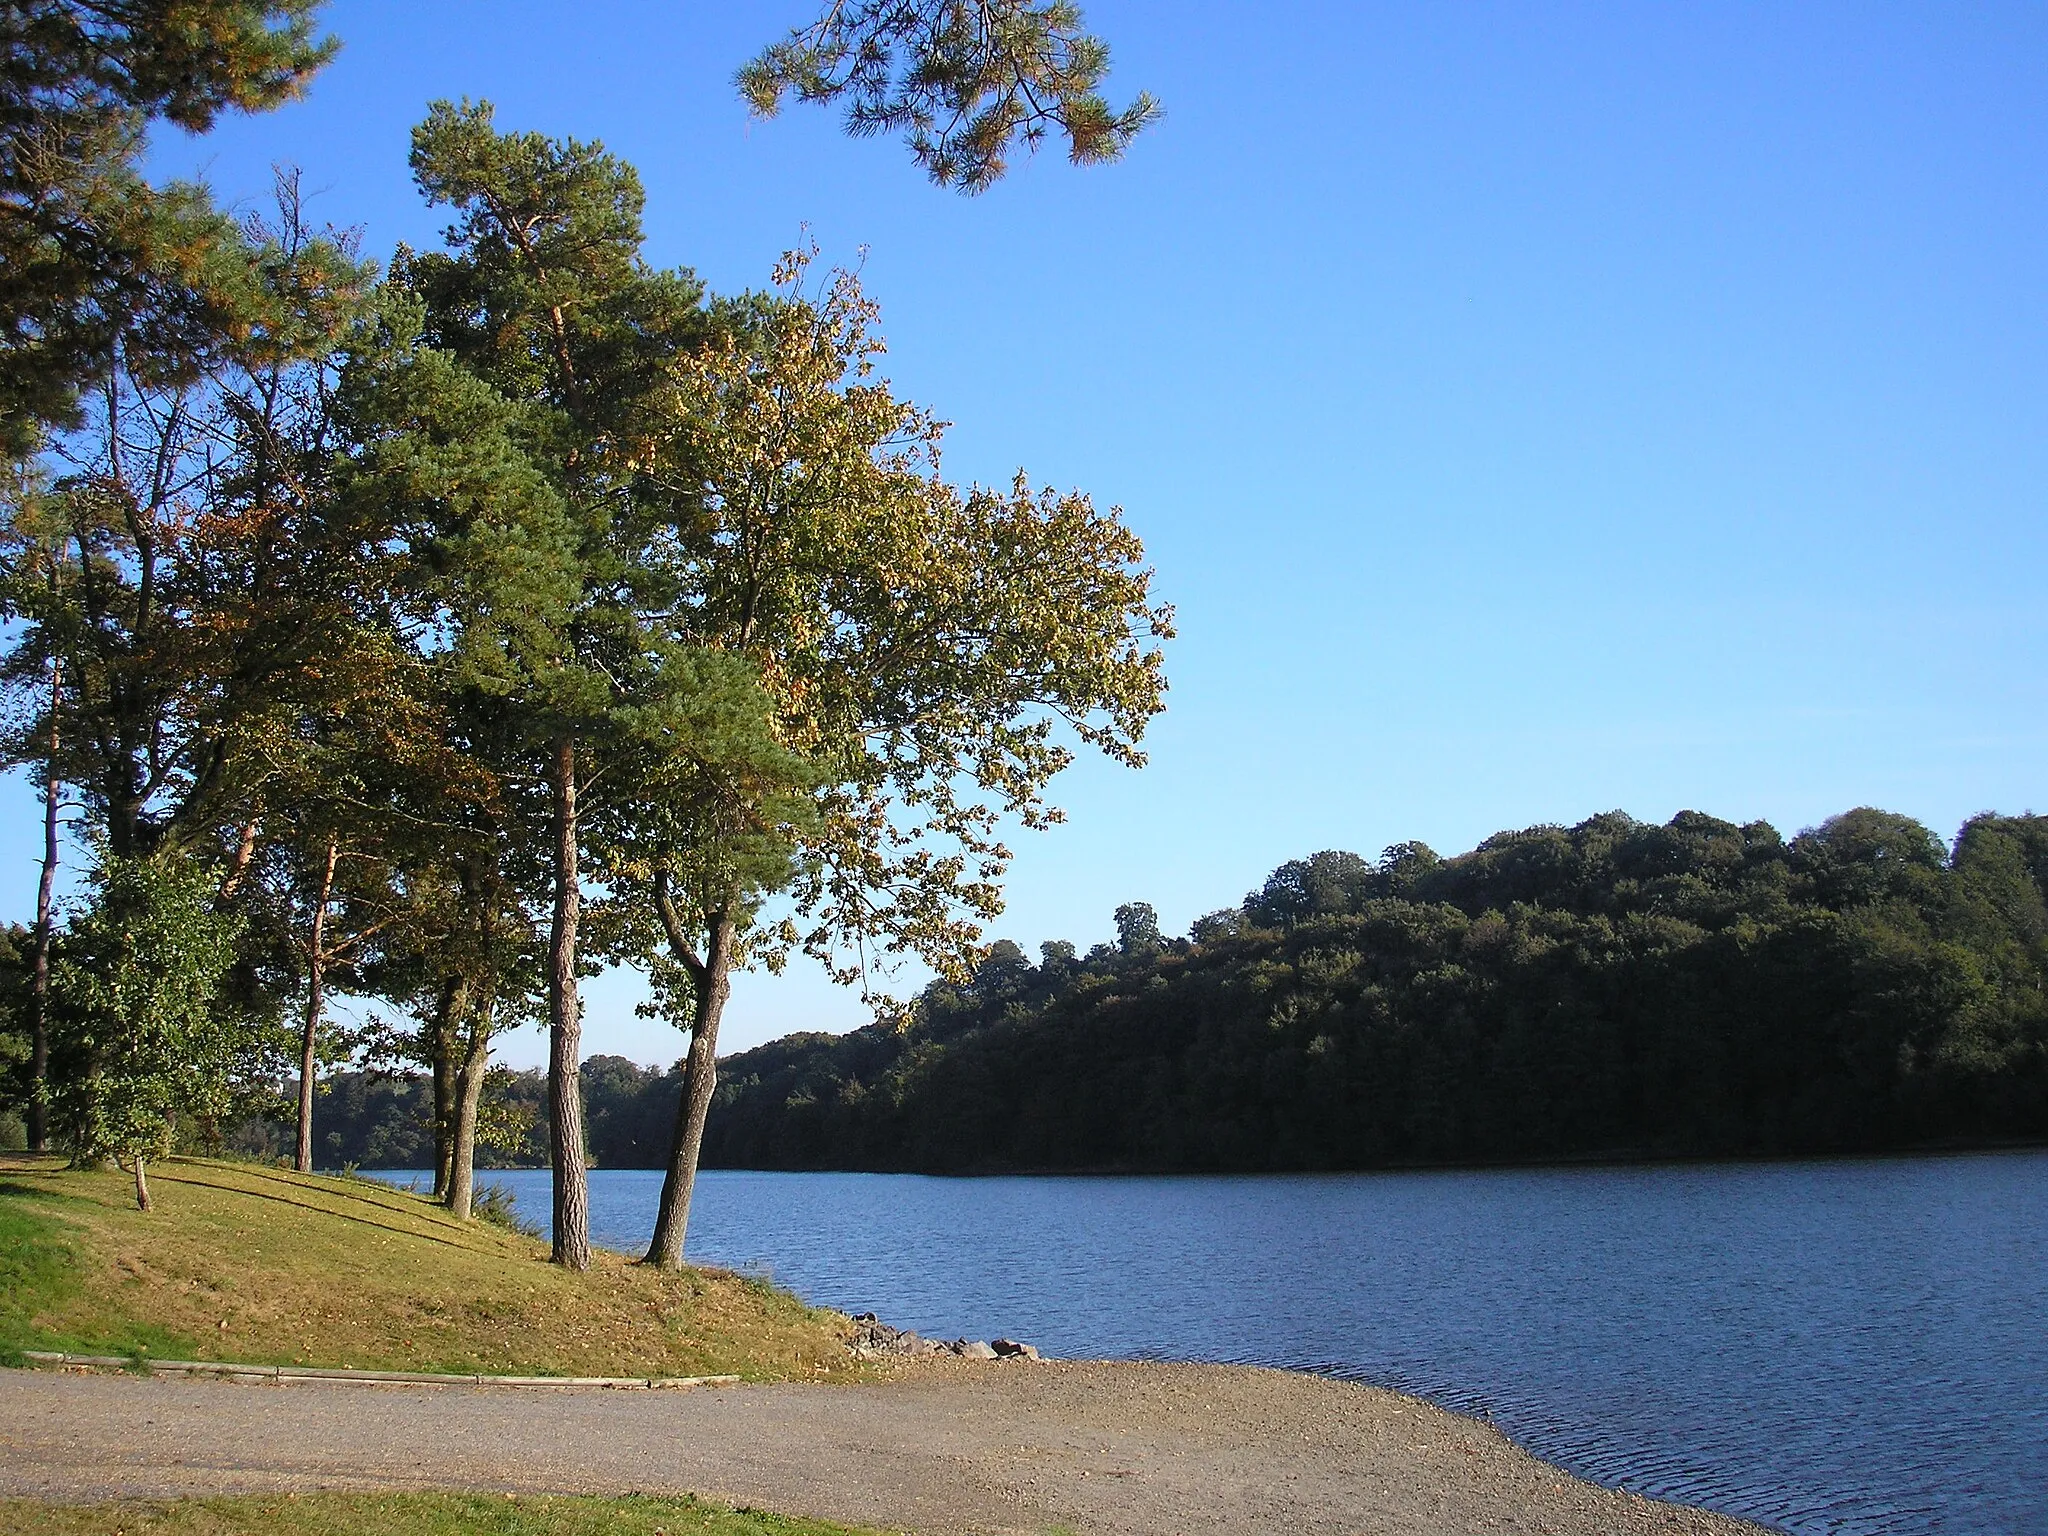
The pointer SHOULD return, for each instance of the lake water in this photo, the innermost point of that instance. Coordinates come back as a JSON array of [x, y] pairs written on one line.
[[1829, 1347]]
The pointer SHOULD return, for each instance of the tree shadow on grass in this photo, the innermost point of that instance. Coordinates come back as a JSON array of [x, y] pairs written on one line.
[[322, 1210], [378, 1196], [31, 1191]]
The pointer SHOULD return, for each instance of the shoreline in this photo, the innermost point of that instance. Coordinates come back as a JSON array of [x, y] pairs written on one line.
[[1608, 1159], [942, 1448]]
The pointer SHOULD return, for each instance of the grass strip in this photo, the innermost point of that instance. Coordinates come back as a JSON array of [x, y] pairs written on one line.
[[408, 1514]]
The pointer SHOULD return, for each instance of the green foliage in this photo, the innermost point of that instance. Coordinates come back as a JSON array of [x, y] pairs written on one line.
[[962, 84], [918, 641], [377, 1120], [14, 1017], [493, 1203], [1699, 988], [179, 570], [85, 243], [1137, 929], [138, 1043]]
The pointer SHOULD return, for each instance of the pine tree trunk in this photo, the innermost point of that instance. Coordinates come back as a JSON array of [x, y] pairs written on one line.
[[316, 999], [441, 1044], [565, 1030], [469, 1092], [39, 981], [238, 867], [141, 1186], [700, 1078]]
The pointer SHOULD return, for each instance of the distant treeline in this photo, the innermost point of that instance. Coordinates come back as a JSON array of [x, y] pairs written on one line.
[[1614, 988], [385, 1119], [1699, 988]]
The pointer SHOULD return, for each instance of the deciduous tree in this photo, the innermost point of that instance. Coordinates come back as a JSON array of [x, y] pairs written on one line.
[[919, 643], [140, 1043]]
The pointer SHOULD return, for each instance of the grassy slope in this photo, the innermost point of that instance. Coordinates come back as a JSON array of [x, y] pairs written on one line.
[[404, 1514], [246, 1263]]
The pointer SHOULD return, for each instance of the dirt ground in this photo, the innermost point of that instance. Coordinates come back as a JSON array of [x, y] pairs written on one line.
[[949, 1449]]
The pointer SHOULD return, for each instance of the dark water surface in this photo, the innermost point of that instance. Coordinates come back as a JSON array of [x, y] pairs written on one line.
[[1841, 1347]]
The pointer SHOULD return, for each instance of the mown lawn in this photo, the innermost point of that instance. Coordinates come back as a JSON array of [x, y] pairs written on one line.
[[406, 1514], [252, 1264]]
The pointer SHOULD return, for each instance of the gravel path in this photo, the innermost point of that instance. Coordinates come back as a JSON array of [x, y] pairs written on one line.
[[1133, 1449]]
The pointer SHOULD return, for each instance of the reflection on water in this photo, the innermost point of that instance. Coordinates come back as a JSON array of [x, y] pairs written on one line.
[[1838, 1347]]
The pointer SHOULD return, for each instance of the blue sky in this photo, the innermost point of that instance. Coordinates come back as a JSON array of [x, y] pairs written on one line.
[[1531, 411]]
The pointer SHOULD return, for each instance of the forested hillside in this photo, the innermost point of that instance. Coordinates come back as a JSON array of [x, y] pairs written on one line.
[[1614, 987]]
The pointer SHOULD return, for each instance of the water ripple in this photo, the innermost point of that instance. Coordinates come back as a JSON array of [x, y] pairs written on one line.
[[1836, 1348]]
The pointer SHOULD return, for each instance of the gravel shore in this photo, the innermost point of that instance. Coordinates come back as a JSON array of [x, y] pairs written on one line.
[[946, 1448]]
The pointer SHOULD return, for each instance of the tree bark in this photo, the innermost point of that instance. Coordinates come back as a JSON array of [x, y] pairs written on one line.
[[444, 1123], [141, 1186], [316, 998], [469, 1092], [245, 849], [448, 1011], [39, 982], [565, 1030], [700, 1078]]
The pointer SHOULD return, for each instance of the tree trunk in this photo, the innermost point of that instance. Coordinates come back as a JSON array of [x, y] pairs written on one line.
[[316, 998], [445, 1075], [565, 1030], [39, 982], [469, 1092], [700, 1077], [141, 1186], [448, 1013], [245, 850]]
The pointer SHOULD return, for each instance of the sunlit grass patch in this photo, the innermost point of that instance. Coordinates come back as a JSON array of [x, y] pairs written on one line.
[[245, 1263]]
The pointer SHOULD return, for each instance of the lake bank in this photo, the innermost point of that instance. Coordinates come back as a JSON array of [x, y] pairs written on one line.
[[1134, 1449]]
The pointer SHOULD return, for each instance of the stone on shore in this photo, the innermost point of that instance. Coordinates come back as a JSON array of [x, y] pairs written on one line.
[[874, 1339]]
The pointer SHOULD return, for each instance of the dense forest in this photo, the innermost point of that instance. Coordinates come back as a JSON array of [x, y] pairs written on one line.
[[1613, 988], [1610, 989]]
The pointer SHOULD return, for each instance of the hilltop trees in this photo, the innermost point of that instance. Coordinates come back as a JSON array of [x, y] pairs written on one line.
[[1696, 988], [794, 657], [384, 607]]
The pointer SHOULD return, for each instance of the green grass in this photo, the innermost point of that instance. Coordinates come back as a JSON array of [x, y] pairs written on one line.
[[406, 1514], [256, 1265]]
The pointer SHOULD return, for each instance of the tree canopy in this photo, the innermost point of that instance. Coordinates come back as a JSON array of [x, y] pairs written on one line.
[[963, 84], [1614, 988], [423, 613]]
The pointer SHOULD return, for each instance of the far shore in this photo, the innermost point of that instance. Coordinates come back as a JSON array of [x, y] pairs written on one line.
[[1615, 1158]]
